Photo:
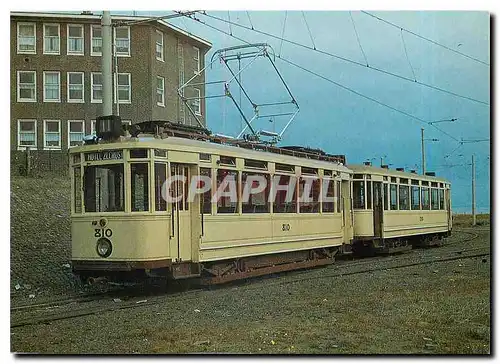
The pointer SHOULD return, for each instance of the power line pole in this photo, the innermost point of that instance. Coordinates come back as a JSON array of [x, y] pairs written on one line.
[[106, 65], [423, 151], [473, 192]]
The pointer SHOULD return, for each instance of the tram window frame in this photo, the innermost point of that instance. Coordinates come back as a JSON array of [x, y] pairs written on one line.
[[250, 207], [415, 191], [287, 168], [441, 199], [329, 207], [118, 169], [369, 194], [255, 164], [425, 202], [357, 176], [327, 173], [206, 199], [309, 171], [394, 180], [404, 198], [77, 189], [340, 200], [280, 206], [160, 153], [227, 160], [358, 194], [133, 188], [434, 199], [393, 192], [160, 203], [139, 151], [229, 209], [386, 196], [205, 157], [312, 207]]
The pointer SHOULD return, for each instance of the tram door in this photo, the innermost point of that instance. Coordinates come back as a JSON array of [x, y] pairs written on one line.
[[378, 209], [181, 212]]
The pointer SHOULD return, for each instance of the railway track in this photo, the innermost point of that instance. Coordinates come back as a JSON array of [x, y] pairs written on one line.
[[128, 299]]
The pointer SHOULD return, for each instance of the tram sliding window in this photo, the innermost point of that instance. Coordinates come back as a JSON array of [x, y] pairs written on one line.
[[281, 205], [340, 202], [425, 198], [139, 186], [358, 192], [206, 200], [104, 188], [394, 197], [224, 203], [434, 199], [257, 202], [441, 199], [309, 204], [368, 194], [404, 197], [77, 183], [160, 177], [415, 198], [329, 186], [386, 196]]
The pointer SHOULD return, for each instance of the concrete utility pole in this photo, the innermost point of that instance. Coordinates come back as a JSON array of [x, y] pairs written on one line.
[[473, 192], [423, 152], [107, 65]]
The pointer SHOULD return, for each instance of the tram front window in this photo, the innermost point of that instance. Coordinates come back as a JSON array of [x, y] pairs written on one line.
[[104, 188]]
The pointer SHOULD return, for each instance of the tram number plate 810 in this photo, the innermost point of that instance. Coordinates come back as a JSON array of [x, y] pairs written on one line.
[[99, 233], [285, 227]]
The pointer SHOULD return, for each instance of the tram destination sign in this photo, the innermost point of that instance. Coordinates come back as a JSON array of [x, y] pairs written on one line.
[[104, 155]]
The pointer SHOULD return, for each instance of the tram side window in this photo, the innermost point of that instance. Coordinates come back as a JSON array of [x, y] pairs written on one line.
[[394, 196], [368, 194], [257, 202], [139, 186], [386, 196], [104, 188], [77, 174], [358, 192], [281, 204], [328, 192], [415, 198], [425, 198], [434, 199], [226, 204], [441, 199], [404, 197], [309, 204], [206, 201], [340, 201], [160, 177]]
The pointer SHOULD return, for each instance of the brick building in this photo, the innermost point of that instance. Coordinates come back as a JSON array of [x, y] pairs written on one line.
[[56, 86]]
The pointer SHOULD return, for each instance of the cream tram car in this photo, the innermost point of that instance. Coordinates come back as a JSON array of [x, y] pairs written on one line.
[[121, 225], [394, 210]]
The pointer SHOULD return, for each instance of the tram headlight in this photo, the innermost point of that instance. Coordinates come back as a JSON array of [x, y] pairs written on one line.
[[104, 247]]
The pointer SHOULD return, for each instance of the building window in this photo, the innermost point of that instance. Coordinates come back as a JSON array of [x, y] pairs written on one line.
[[122, 41], [159, 45], [197, 101], [75, 39], [92, 127], [75, 87], [52, 134], [26, 86], [76, 130], [26, 133], [26, 38], [197, 59], [122, 90], [51, 39], [96, 84], [160, 91], [96, 37], [51, 87]]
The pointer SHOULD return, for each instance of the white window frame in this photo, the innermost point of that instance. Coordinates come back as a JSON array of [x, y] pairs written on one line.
[[69, 131], [59, 90], [70, 100], [19, 99], [92, 100], [198, 112], [129, 42], [92, 53], [45, 146], [129, 101], [58, 39], [23, 147], [162, 104], [20, 51], [93, 127], [197, 59], [162, 58], [75, 53]]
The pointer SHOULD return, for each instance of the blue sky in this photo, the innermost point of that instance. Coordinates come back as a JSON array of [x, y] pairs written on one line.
[[341, 122]]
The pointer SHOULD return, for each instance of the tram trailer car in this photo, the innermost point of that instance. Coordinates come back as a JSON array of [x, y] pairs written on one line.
[[121, 227], [395, 210]]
